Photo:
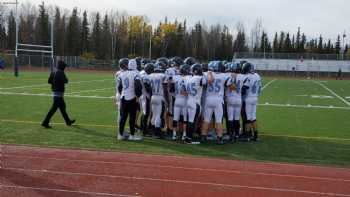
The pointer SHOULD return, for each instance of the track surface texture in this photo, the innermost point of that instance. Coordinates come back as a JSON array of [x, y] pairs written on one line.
[[32, 171]]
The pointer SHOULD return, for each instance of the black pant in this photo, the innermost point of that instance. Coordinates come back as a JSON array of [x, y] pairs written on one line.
[[58, 102], [127, 108]]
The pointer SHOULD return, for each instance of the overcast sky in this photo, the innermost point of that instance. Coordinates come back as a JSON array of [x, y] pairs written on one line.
[[315, 17]]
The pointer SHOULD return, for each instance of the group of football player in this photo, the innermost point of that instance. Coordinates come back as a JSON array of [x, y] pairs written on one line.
[[188, 99]]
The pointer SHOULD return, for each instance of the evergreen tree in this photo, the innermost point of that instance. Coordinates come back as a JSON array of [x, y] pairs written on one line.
[[275, 45], [281, 42], [287, 46], [84, 34], [106, 38], [42, 26], [298, 42], [11, 32], [302, 44], [337, 45], [320, 45], [97, 38], [73, 34]]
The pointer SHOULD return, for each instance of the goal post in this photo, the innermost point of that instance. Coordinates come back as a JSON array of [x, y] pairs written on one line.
[[29, 47]]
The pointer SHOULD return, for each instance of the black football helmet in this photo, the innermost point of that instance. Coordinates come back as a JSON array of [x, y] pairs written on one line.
[[185, 69], [160, 67], [190, 61], [196, 69], [247, 68], [123, 63], [149, 68], [176, 61], [164, 60]]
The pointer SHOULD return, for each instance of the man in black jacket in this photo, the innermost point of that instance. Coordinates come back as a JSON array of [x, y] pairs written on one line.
[[58, 80]]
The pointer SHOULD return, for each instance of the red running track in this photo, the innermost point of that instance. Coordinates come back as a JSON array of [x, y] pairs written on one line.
[[32, 171]]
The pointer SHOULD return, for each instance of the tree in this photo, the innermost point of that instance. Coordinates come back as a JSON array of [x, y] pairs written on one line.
[[73, 34], [106, 38], [85, 34], [97, 38], [275, 44], [281, 42], [298, 42], [320, 45], [337, 45], [42, 26], [287, 46], [11, 32]]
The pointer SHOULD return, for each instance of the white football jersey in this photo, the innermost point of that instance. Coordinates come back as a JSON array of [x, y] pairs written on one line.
[[217, 87], [145, 79], [253, 81], [194, 87], [238, 82], [157, 80], [127, 79], [179, 82]]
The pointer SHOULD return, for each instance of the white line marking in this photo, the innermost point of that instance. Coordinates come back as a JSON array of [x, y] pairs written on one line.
[[268, 84], [46, 84], [95, 90], [182, 181], [179, 167], [112, 126], [50, 95], [304, 106], [332, 92], [111, 97], [65, 190]]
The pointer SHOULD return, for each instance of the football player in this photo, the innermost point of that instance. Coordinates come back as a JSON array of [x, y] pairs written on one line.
[[251, 89], [158, 98], [178, 89], [214, 101], [233, 99], [194, 89], [145, 99], [174, 69], [130, 89]]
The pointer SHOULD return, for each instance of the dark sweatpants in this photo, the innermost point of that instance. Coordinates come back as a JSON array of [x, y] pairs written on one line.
[[58, 103], [127, 109]]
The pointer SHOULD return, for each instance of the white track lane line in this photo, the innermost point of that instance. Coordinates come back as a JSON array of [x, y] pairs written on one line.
[[268, 84], [181, 181], [183, 168], [46, 84], [64, 191], [332, 92]]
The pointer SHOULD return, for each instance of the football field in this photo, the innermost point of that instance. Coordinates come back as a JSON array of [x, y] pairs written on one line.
[[301, 121]]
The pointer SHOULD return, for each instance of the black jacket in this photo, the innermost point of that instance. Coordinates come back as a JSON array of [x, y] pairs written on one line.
[[58, 80]]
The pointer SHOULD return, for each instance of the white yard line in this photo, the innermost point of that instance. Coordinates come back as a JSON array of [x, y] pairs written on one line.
[[111, 97], [211, 184], [46, 84], [304, 106], [50, 95], [64, 191], [332, 92], [95, 90], [268, 84]]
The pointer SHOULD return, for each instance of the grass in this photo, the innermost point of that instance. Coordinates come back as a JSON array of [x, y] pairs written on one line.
[[290, 134]]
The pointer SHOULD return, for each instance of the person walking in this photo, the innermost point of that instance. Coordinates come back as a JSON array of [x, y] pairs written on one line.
[[58, 80]]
